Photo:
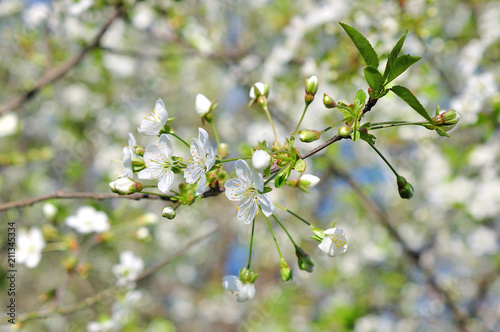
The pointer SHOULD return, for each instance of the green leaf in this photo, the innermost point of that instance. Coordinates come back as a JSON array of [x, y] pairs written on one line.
[[359, 100], [394, 54], [363, 45], [441, 132], [283, 176], [405, 94], [367, 137], [374, 78], [400, 65]]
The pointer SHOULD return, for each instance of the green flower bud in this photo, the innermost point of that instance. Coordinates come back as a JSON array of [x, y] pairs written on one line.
[[405, 189], [285, 271], [344, 131], [168, 212], [308, 136], [311, 85], [305, 261], [328, 101]]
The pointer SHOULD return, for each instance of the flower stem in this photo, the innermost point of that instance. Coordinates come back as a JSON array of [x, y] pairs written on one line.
[[232, 159], [180, 139], [286, 231], [382, 125], [332, 126], [271, 122], [301, 118], [251, 245], [385, 160], [293, 214], [215, 134], [272, 233], [156, 194]]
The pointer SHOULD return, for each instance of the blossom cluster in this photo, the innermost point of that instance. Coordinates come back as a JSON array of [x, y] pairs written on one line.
[[204, 171]]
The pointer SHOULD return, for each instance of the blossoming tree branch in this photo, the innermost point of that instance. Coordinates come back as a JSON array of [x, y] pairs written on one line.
[[152, 170]]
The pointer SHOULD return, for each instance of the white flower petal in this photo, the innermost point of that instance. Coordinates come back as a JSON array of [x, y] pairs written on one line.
[[247, 292], [243, 171], [161, 111], [165, 146], [166, 181], [247, 210], [266, 205], [231, 283], [258, 180], [235, 188], [150, 173], [202, 185]]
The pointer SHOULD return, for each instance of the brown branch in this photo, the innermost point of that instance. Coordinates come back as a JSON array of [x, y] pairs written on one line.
[[113, 289], [64, 195], [58, 72], [461, 318]]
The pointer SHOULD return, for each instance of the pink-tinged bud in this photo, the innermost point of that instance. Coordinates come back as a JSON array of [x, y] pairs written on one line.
[[447, 120], [328, 101]]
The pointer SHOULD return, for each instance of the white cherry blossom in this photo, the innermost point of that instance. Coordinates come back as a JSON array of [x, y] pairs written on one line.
[[203, 158], [248, 188], [334, 243], [88, 220], [244, 292], [29, 247], [158, 161], [130, 267], [154, 121]]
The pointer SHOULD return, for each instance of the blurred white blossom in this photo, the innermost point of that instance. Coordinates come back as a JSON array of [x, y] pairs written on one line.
[[88, 220], [30, 244], [129, 268]]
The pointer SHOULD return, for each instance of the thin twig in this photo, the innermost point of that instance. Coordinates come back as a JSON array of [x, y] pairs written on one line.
[[64, 195], [58, 72]]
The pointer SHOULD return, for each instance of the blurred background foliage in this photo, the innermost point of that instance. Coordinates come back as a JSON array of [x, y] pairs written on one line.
[[428, 264]]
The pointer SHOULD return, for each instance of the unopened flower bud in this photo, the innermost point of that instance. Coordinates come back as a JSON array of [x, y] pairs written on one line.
[[344, 131], [285, 271], [168, 212], [447, 120], [305, 261], [126, 186], [259, 89], [112, 186], [328, 101], [308, 180], [203, 105], [405, 189], [308, 136], [311, 85], [261, 160]]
